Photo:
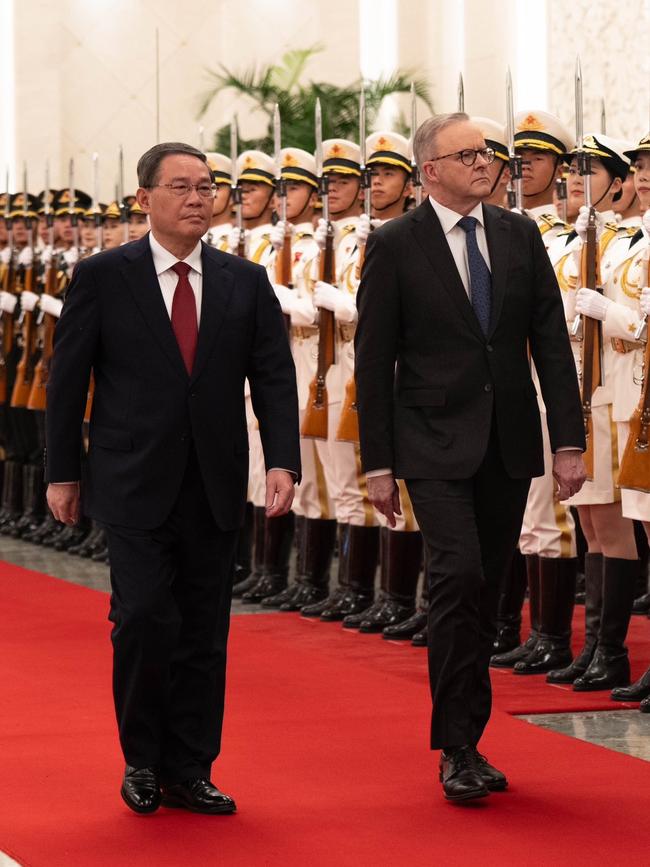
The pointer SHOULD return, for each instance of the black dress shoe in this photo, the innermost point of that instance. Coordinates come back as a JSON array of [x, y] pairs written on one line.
[[636, 692], [606, 671], [460, 774], [641, 605], [494, 779], [141, 789], [421, 639], [199, 796], [407, 628], [644, 707]]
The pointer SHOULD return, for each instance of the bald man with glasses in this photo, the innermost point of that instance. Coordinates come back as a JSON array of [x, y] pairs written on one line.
[[171, 328], [452, 296]]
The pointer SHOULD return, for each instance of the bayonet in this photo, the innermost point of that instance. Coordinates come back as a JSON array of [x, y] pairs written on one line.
[[461, 92], [280, 185], [72, 199], [201, 142], [603, 117], [124, 217], [514, 159], [235, 189], [97, 211], [365, 172]]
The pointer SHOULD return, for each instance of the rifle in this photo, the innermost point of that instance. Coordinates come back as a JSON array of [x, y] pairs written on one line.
[[415, 174], [561, 192], [7, 281], [235, 189], [283, 263], [26, 364], [635, 463], [46, 321], [124, 213], [314, 423], [587, 329], [348, 427]]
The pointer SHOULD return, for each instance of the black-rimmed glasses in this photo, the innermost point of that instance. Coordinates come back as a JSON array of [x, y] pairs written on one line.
[[205, 190], [468, 156]]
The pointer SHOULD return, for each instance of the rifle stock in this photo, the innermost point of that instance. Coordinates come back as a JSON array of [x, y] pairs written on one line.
[[314, 424], [37, 395], [348, 428], [283, 269], [25, 369], [7, 320], [591, 344]]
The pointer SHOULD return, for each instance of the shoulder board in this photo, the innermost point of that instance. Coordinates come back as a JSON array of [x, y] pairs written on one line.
[[551, 220], [347, 230], [300, 235]]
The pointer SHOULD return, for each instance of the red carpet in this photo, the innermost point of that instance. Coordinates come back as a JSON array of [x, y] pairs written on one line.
[[324, 748]]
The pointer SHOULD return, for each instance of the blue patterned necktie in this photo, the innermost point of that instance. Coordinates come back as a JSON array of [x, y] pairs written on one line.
[[480, 281]]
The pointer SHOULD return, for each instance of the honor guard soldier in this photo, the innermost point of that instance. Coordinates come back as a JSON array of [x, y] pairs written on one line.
[[273, 537], [138, 222], [626, 325], [611, 562], [542, 141], [294, 246], [400, 548], [628, 208], [221, 223], [113, 228], [358, 526]]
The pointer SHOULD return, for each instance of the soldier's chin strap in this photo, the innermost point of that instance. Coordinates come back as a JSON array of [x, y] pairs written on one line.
[[263, 208], [498, 177], [550, 183], [304, 207], [225, 207], [396, 200], [604, 194]]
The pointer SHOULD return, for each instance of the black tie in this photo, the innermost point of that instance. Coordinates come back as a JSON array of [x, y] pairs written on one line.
[[480, 281]]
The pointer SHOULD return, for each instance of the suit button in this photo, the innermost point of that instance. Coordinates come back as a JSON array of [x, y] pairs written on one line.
[[489, 347], [193, 394], [184, 438], [487, 386]]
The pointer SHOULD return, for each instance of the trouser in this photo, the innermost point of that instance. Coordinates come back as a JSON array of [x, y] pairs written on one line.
[[470, 527], [170, 607]]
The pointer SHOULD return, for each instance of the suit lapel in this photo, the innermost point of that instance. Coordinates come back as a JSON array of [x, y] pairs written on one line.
[[142, 280], [497, 231], [432, 240], [216, 292]]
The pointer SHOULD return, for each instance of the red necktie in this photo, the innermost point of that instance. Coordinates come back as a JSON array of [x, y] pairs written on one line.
[[184, 315]]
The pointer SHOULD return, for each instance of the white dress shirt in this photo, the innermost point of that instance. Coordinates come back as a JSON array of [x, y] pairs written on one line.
[[163, 261], [457, 237]]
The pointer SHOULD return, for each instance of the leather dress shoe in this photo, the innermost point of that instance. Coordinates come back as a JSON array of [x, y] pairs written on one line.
[[494, 779], [421, 639], [199, 796], [141, 789], [407, 628], [641, 604], [636, 692], [644, 707], [606, 671], [547, 655], [460, 774]]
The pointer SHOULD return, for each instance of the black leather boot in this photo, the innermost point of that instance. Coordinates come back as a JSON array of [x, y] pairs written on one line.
[[642, 605], [46, 527], [508, 660], [638, 691], [14, 527], [278, 542], [557, 581], [93, 542], [331, 603], [362, 566], [75, 536], [511, 602], [318, 550], [287, 594], [593, 603], [400, 561], [416, 623], [12, 495], [610, 665], [247, 582], [644, 707]]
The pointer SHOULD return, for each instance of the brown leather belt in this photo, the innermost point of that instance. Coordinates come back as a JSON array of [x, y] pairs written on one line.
[[346, 331], [625, 346], [302, 332]]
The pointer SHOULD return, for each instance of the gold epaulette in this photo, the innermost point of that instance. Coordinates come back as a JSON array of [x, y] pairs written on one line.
[[551, 221], [300, 235], [347, 230]]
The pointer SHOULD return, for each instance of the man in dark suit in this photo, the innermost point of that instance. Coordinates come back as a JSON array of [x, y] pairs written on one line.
[[452, 297], [170, 328]]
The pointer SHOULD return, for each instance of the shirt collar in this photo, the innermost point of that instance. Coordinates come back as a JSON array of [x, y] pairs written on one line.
[[449, 219], [163, 259]]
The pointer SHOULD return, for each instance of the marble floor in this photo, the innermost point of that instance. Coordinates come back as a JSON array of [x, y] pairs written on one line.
[[626, 731]]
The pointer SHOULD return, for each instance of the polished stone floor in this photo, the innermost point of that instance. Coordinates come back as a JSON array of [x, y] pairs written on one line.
[[626, 731]]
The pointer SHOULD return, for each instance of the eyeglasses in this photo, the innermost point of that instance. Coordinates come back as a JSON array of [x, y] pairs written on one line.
[[468, 156], [205, 190]]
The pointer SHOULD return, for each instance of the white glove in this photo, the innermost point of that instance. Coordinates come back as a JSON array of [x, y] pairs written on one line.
[[50, 304], [591, 303], [71, 257], [233, 240], [342, 304], [8, 302], [5, 255], [26, 257], [644, 301], [582, 222], [278, 234], [301, 310], [320, 235], [364, 227], [28, 300], [46, 255]]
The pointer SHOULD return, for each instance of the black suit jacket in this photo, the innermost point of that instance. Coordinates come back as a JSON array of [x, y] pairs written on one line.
[[429, 381], [147, 412]]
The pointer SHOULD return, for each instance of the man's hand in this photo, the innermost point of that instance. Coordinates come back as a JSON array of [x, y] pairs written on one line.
[[280, 489], [383, 493], [568, 472], [63, 501]]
